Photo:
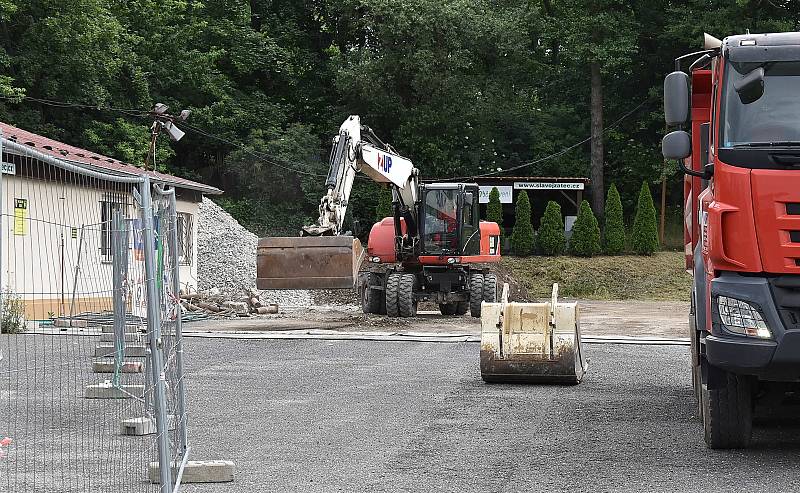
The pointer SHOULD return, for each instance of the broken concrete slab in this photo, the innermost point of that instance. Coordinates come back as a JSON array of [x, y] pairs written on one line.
[[199, 471], [129, 328], [70, 322], [129, 337], [108, 391]]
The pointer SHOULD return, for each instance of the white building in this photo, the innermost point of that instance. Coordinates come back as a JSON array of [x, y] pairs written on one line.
[[55, 242]]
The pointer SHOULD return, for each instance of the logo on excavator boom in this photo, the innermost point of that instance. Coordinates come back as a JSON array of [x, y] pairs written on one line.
[[385, 162]]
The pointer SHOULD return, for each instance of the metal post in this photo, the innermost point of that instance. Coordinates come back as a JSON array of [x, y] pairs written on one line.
[[77, 273], [118, 301], [176, 289], [154, 330], [2, 228]]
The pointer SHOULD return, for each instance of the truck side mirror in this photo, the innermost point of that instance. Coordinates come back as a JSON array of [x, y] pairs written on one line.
[[750, 88], [676, 145], [676, 98]]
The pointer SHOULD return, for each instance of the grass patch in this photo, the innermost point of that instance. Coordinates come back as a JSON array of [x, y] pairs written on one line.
[[660, 277]]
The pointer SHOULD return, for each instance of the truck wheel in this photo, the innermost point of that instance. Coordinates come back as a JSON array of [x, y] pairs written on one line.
[[694, 359], [476, 283], [462, 307], [406, 302], [447, 308], [728, 411], [371, 298], [392, 288], [490, 288]]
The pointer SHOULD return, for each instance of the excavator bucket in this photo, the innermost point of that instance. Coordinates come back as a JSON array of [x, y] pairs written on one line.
[[308, 262], [531, 342]]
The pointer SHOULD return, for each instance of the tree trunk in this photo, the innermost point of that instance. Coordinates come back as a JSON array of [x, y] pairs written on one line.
[[598, 189]]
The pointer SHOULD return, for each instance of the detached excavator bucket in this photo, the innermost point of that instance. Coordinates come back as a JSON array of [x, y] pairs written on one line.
[[531, 342], [308, 262]]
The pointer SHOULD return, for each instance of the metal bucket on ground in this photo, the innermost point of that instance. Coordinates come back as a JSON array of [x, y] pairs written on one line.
[[531, 342], [308, 262]]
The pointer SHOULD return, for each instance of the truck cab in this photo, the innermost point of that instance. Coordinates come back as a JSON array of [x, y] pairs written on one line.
[[738, 142]]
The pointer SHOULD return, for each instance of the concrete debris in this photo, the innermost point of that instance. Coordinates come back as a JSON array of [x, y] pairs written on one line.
[[215, 304], [226, 261]]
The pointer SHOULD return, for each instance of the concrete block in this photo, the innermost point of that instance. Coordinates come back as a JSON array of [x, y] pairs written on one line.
[[144, 425], [107, 366], [131, 351], [107, 391], [129, 328], [200, 471], [70, 322], [129, 337]]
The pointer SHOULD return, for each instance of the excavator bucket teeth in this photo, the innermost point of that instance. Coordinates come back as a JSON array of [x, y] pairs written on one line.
[[308, 262], [531, 343]]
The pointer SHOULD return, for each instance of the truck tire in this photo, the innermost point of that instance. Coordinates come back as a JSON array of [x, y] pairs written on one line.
[[392, 288], [462, 307], [447, 308], [406, 302], [371, 298], [476, 283], [728, 411], [490, 288]]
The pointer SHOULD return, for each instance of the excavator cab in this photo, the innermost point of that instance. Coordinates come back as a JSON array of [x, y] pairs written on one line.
[[449, 219]]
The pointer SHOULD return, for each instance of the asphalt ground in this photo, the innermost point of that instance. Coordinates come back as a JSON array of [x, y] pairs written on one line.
[[322, 416]]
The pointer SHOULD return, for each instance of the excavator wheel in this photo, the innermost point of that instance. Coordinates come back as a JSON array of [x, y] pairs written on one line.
[[490, 288], [448, 308], [371, 298], [462, 307], [406, 302], [476, 283], [392, 288]]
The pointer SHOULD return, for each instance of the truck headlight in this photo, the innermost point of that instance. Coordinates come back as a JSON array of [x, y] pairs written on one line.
[[741, 317]]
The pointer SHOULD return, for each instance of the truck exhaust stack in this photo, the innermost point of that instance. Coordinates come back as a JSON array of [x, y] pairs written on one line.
[[308, 262]]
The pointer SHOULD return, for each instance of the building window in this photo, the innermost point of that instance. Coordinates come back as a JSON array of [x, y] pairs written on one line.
[[185, 238], [106, 214]]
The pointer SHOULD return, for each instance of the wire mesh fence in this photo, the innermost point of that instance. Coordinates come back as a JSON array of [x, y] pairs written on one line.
[[91, 387]]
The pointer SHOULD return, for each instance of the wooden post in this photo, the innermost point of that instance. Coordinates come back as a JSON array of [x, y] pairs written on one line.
[[663, 206]]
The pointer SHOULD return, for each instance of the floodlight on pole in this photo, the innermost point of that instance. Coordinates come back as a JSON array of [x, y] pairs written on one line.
[[162, 121]]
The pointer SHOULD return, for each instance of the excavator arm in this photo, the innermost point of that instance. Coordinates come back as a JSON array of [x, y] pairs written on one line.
[[356, 148]]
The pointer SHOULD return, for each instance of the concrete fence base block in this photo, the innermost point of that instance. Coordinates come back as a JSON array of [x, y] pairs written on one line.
[[109, 367], [129, 337], [131, 351], [144, 425], [107, 391], [70, 322], [200, 471], [129, 329]]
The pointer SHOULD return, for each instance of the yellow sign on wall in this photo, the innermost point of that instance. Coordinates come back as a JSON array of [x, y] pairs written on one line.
[[20, 217]]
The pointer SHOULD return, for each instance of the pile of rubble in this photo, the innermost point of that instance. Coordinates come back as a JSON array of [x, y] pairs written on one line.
[[226, 261], [214, 303]]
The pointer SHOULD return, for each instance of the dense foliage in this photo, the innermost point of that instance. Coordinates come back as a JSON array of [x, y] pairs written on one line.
[[614, 227], [462, 87], [550, 239], [494, 209], [585, 239], [384, 208], [522, 240], [644, 237]]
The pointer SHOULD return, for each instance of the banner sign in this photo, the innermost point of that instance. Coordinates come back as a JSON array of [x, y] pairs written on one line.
[[505, 194], [8, 168], [539, 185]]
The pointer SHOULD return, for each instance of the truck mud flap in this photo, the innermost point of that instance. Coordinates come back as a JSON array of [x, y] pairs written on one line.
[[308, 262], [531, 342]]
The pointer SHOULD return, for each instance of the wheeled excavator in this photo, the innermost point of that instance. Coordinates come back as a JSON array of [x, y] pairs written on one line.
[[434, 248]]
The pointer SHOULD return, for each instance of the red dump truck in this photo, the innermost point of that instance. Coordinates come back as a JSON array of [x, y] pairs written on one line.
[[737, 113]]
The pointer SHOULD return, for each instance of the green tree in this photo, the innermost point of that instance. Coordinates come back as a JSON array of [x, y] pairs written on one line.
[[550, 239], [585, 240], [614, 228], [494, 209], [522, 235], [644, 237], [384, 208]]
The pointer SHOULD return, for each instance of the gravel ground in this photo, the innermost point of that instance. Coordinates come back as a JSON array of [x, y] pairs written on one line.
[[363, 416]]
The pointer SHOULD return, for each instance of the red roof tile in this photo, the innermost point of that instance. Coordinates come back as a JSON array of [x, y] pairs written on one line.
[[80, 156]]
